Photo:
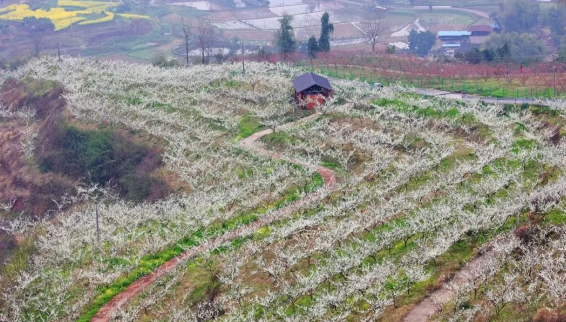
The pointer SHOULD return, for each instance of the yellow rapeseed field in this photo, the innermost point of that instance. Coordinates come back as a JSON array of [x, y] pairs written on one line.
[[59, 16], [109, 17], [62, 18], [133, 16]]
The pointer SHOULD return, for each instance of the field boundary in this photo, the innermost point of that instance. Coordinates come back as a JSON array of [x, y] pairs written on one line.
[[249, 143]]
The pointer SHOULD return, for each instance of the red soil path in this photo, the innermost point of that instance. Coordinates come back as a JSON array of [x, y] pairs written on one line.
[[329, 177], [432, 303]]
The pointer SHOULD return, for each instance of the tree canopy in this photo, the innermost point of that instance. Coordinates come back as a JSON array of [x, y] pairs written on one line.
[[284, 37], [312, 47], [520, 15], [326, 29], [421, 42], [38, 24], [519, 47]]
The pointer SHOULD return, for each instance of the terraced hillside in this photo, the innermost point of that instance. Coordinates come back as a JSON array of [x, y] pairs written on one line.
[[382, 206]]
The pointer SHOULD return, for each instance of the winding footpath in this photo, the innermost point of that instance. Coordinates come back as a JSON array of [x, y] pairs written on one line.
[[446, 293], [105, 314]]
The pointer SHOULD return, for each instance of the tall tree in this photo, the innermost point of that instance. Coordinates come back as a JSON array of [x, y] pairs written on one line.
[[326, 29], [421, 42], [512, 45], [284, 37], [37, 45], [205, 37], [186, 37], [374, 28], [312, 47], [520, 15], [555, 20]]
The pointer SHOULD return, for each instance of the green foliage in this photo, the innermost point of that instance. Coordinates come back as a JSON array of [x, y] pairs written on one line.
[[102, 156], [38, 24], [326, 30], [18, 260], [249, 124], [278, 140], [520, 15], [523, 144], [124, 6], [488, 54], [562, 55], [556, 21], [555, 217], [37, 88], [473, 56], [285, 37], [390, 49], [519, 47], [312, 47], [421, 42]]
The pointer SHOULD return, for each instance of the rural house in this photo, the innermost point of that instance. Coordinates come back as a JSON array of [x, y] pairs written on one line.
[[454, 39], [311, 90], [480, 30]]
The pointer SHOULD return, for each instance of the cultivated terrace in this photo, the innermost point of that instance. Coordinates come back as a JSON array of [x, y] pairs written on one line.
[[254, 210]]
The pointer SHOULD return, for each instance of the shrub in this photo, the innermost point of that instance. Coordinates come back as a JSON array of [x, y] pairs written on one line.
[[100, 157]]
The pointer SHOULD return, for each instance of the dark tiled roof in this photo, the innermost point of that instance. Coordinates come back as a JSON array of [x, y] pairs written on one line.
[[309, 79], [484, 28]]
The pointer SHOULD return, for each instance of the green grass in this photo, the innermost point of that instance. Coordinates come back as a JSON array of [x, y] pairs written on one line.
[[249, 124], [445, 17], [488, 88], [278, 140], [401, 106], [555, 217], [150, 262], [456, 256], [145, 54]]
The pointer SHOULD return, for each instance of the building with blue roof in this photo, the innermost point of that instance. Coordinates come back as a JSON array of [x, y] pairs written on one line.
[[454, 39], [453, 35]]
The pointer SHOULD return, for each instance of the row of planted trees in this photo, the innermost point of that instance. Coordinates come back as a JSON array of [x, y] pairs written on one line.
[[543, 79]]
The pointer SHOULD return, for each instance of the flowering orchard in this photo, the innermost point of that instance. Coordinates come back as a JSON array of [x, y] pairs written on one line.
[[544, 79], [424, 186]]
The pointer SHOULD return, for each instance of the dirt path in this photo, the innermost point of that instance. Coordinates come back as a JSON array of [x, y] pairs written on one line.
[[478, 13], [329, 177], [432, 303]]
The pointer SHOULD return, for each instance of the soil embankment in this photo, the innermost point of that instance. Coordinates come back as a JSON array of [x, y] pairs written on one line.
[[45, 154]]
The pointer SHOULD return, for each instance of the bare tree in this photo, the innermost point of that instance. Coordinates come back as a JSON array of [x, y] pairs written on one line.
[[374, 28], [59, 52], [186, 37], [205, 35], [37, 45]]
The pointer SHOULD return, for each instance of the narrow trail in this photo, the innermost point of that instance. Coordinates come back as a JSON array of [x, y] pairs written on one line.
[[478, 13], [432, 303], [249, 143]]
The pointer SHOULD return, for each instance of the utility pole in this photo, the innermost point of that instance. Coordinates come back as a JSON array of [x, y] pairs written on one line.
[[243, 59], [97, 227], [59, 51], [554, 81]]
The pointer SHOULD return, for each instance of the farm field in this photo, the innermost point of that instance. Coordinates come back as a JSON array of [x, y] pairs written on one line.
[[486, 88], [66, 13], [490, 80], [101, 28], [258, 211], [341, 31]]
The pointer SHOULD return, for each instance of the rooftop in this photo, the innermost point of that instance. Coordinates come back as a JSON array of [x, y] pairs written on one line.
[[307, 80], [454, 33], [484, 28]]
